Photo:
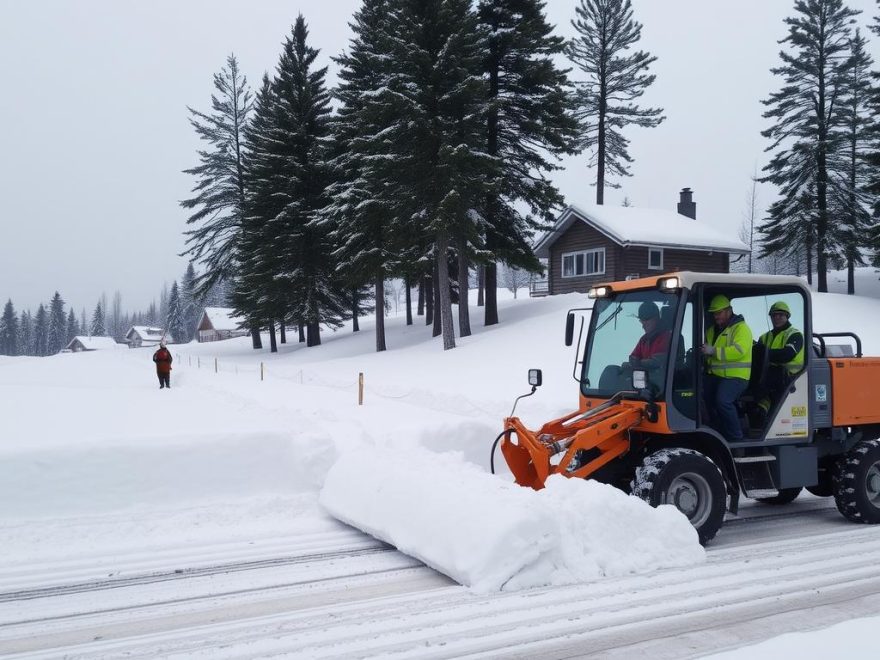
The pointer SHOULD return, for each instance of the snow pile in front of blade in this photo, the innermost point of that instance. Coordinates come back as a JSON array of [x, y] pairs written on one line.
[[490, 534]]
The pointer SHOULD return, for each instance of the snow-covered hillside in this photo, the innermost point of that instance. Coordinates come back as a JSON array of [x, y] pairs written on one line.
[[102, 473]]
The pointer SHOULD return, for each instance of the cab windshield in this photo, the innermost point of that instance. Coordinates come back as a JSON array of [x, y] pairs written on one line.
[[628, 331]]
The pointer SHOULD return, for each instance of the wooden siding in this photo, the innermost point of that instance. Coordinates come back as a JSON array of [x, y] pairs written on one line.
[[621, 262], [580, 236]]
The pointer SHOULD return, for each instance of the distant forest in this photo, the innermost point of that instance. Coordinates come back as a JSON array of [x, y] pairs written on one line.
[[51, 328]]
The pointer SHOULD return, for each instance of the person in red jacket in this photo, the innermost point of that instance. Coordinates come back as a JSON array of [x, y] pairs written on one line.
[[653, 346], [162, 358]]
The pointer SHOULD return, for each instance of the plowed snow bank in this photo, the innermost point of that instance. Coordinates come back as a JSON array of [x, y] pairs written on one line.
[[490, 534]]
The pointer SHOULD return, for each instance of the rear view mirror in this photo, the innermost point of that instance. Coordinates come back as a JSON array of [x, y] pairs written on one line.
[[569, 328], [535, 377]]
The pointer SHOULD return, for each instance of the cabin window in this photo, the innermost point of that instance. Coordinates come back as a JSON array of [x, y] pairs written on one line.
[[655, 259], [587, 262]]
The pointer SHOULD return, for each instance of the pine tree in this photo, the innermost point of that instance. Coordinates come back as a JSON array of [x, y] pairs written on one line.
[[26, 343], [220, 187], [72, 327], [432, 160], [358, 218], [850, 175], [115, 328], [616, 77], [98, 327], [808, 115], [9, 330], [529, 123], [41, 332], [57, 325], [175, 323], [189, 301], [872, 157]]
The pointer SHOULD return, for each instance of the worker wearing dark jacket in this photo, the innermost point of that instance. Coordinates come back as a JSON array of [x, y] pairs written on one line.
[[163, 359], [785, 353], [728, 360]]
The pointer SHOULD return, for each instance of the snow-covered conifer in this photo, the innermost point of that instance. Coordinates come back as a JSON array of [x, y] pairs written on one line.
[[41, 331], [98, 326], [174, 325], [57, 325], [9, 330]]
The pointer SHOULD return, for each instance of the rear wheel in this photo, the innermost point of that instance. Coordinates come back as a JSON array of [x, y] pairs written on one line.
[[786, 496], [690, 482], [856, 481]]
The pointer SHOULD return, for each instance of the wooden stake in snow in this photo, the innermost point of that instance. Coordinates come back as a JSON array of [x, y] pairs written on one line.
[[215, 365], [361, 388], [261, 371]]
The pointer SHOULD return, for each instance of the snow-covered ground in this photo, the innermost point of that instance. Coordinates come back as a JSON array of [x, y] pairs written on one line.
[[103, 475]]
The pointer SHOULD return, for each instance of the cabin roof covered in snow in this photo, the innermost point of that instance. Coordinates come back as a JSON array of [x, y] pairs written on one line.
[[222, 318], [632, 226], [95, 343], [145, 332]]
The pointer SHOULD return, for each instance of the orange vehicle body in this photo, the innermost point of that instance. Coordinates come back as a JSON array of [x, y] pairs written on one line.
[[855, 398]]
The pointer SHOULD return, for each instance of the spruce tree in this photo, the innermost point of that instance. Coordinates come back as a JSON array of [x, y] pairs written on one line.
[[72, 327], [189, 301], [358, 217], [529, 123], [9, 330], [809, 113], [57, 325], [26, 344], [98, 327], [41, 332], [220, 187], [175, 322], [850, 175], [432, 158], [615, 78], [872, 157]]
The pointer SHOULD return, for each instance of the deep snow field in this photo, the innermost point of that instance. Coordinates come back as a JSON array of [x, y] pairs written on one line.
[[96, 461]]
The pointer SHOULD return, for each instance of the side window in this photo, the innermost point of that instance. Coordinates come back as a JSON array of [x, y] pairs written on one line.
[[684, 396], [655, 259]]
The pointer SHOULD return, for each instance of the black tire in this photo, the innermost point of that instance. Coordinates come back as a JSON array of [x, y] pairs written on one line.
[[689, 481], [856, 479], [786, 496]]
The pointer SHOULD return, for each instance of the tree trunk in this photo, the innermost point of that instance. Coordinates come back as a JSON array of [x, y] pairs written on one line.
[[600, 156], [491, 312], [256, 339], [302, 333], [408, 296], [429, 300], [283, 328], [313, 334], [481, 284], [420, 308], [273, 341], [380, 313], [354, 310], [464, 317], [437, 307], [441, 268]]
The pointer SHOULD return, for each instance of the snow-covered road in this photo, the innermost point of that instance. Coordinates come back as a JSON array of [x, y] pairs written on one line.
[[341, 594]]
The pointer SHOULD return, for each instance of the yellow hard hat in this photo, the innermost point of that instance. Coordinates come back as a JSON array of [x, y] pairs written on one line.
[[780, 306], [718, 303]]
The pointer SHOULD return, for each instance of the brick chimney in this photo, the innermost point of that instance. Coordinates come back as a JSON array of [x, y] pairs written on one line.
[[686, 204]]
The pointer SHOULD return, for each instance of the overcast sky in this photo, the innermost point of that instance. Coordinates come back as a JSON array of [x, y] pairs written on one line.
[[96, 131]]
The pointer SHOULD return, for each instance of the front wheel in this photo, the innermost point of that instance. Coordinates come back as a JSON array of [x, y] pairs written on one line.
[[690, 482], [856, 481]]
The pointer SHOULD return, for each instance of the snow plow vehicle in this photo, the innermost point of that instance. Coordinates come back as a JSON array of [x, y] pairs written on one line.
[[642, 425]]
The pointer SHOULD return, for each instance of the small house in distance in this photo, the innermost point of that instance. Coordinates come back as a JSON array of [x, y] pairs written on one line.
[[141, 335], [80, 344], [219, 323], [594, 244]]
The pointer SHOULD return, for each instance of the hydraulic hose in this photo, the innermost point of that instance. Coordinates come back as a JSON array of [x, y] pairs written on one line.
[[494, 445]]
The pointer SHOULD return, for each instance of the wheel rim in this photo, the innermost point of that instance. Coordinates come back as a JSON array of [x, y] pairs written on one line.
[[872, 484], [690, 493]]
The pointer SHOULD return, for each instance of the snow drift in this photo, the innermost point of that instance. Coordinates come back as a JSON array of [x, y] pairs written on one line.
[[490, 534]]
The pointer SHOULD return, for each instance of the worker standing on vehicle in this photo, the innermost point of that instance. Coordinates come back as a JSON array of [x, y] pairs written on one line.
[[728, 353], [785, 353]]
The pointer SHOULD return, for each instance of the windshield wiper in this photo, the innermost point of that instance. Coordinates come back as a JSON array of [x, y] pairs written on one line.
[[611, 317]]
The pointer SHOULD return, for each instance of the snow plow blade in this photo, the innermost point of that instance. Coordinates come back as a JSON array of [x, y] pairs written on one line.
[[589, 439]]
